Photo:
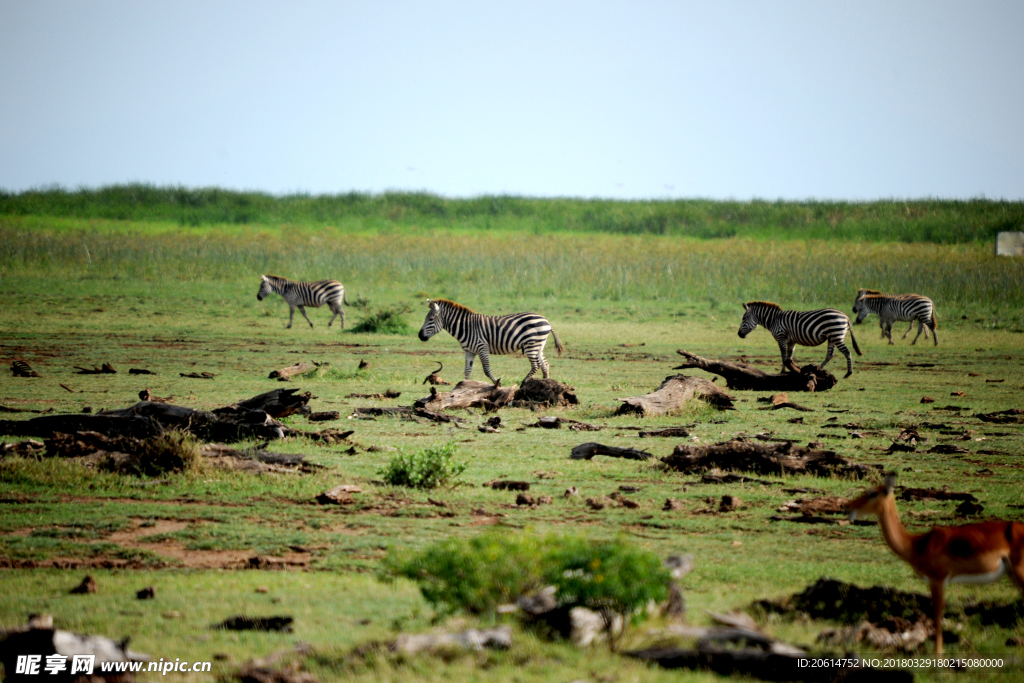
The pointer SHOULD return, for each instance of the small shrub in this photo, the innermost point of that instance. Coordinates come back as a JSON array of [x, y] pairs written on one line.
[[171, 452], [427, 469], [388, 320], [497, 567]]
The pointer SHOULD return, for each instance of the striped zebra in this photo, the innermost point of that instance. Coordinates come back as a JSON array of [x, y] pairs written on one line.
[[807, 328], [302, 294], [892, 308], [482, 335]]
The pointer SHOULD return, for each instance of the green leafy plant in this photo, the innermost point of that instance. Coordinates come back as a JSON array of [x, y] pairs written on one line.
[[497, 567], [427, 469], [387, 320]]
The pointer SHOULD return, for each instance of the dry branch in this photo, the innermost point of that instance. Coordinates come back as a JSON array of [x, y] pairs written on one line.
[[285, 374], [762, 458], [586, 451], [744, 377], [672, 395]]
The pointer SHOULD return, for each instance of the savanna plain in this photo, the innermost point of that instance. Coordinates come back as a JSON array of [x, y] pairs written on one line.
[[174, 293]]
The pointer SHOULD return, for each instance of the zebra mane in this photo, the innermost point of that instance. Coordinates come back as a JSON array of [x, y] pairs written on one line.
[[276, 277], [451, 304], [765, 304]]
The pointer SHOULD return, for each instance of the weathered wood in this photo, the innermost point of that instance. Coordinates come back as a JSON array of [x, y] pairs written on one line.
[[499, 637], [111, 425], [762, 458], [682, 432], [276, 403], [435, 376], [586, 451], [405, 411], [105, 369], [285, 374], [672, 395], [744, 377], [468, 394]]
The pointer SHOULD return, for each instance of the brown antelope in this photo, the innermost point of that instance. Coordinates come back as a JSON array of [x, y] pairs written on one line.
[[971, 553]]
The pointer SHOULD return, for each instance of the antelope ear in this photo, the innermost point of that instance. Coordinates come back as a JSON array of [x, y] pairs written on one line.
[[890, 481]]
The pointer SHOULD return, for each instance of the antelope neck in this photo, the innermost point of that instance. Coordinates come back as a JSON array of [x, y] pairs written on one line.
[[893, 531]]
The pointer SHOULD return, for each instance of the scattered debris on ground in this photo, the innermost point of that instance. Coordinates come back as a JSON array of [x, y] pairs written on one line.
[[508, 485], [763, 458], [105, 369], [324, 416], [390, 393], [744, 377], [586, 451], [88, 585], [850, 604], [197, 375], [670, 432], [339, 495], [556, 422], [140, 371], [263, 670], [1011, 416], [672, 395], [147, 593], [281, 624], [499, 638], [434, 378]]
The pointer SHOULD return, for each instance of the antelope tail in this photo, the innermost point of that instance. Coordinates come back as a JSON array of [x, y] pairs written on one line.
[[853, 339], [558, 342]]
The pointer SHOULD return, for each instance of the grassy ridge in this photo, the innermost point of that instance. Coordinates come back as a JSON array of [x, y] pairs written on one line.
[[509, 271], [928, 220]]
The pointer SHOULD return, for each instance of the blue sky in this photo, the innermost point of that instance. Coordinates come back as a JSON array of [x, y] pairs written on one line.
[[792, 100]]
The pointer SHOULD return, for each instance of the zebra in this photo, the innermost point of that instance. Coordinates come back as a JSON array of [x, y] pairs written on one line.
[[807, 328], [897, 307], [302, 294], [482, 335]]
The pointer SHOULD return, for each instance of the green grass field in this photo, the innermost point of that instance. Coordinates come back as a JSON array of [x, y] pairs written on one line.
[[84, 290]]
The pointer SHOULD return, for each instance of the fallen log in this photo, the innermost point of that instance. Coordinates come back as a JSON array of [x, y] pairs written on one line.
[[744, 377], [468, 394], [407, 412], [672, 395], [762, 458], [276, 403], [586, 451], [285, 374], [137, 426], [681, 432], [499, 637], [1011, 416]]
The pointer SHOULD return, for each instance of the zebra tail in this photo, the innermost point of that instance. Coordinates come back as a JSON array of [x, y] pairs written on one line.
[[853, 339], [344, 297], [558, 342], [935, 320]]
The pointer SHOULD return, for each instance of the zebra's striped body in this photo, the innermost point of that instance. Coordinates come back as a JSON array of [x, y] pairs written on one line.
[[483, 335], [302, 294], [807, 328], [899, 307]]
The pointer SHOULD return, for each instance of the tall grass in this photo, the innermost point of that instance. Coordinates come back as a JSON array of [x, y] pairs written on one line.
[[927, 220], [516, 268]]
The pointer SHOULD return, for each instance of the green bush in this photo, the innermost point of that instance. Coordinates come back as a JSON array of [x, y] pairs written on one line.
[[387, 320], [427, 469], [497, 567]]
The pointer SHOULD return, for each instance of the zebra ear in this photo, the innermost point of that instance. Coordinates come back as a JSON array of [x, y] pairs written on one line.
[[744, 307], [263, 277]]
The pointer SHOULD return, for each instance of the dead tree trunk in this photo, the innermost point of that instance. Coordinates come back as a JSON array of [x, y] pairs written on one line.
[[468, 394], [673, 393], [744, 377], [284, 374], [762, 458], [586, 451]]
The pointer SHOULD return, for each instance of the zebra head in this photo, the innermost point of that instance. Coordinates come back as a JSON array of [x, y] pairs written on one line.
[[861, 310], [750, 321], [265, 289], [432, 323], [858, 306]]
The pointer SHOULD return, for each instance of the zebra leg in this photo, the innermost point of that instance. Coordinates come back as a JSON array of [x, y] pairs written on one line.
[[849, 359], [784, 349], [908, 330], [302, 310], [485, 360], [291, 316], [931, 325], [337, 312], [469, 363], [920, 329], [888, 333], [828, 354], [536, 362]]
